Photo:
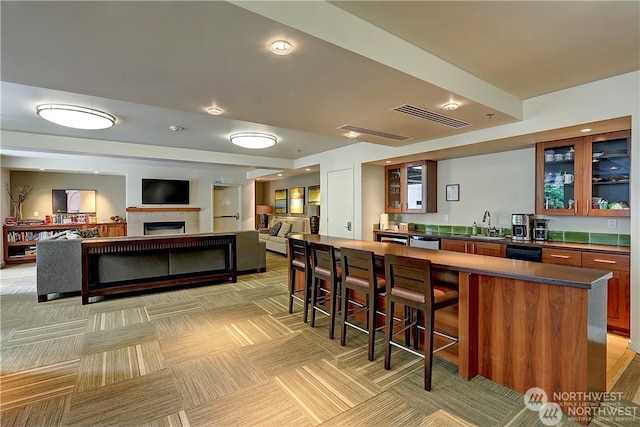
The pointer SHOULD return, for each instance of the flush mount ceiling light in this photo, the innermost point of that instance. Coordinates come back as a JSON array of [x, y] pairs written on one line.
[[253, 140], [281, 47], [75, 117], [214, 111], [352, 135], [450, 106]]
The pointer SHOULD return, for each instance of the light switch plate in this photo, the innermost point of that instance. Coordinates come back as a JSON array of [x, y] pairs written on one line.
[[612, 223], [445, 218]]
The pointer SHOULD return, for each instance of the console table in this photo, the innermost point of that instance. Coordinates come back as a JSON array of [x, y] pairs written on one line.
[[119, 265]]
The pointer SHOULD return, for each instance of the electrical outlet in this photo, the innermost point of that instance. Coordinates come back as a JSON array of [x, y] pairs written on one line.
[[446, 218], [611, 223], [35, 214]]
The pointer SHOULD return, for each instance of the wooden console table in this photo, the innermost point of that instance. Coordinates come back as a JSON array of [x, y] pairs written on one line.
[[112, 266]]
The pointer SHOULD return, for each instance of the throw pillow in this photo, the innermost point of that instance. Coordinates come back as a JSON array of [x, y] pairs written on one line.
[[60, 235], [73, 235], [297, 226], [89, 232], [284, 230], [273, 231]]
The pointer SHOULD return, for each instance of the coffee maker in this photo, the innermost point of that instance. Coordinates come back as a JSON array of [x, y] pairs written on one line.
[[521, 225], [540, 229]]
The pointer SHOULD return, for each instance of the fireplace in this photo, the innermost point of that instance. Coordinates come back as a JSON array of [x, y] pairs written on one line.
[[137, 217], [166, 227]]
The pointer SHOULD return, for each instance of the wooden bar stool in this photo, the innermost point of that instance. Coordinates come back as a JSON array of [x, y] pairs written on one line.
[[359, 274], [324, 269], [409, 283], [299, 260]]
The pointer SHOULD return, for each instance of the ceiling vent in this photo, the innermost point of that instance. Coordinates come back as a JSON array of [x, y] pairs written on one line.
[[358, 129], [431, 116]]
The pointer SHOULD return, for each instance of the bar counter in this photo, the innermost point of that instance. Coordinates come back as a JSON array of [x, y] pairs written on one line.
[[521, 324]]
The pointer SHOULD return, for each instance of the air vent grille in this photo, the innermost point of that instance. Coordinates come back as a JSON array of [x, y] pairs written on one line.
[[387, 135], [431, 116]]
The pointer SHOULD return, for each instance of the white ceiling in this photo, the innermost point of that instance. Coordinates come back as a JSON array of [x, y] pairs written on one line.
[[157, 64]]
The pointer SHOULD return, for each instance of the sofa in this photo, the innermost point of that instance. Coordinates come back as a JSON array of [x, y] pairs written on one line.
[[59, 262], [280, 227]]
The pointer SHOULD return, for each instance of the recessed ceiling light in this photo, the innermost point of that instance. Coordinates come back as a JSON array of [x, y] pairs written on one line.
[[450, 106], [253, 140], [42, 169], [176, 128], [75, 117], [279, 174], [586, 130], [281, 47], [96, 172], [308, 169], [352, 135], [388, 162], [214, 111]]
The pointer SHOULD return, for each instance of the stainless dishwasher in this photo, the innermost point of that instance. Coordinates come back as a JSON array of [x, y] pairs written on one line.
[[428, 242]]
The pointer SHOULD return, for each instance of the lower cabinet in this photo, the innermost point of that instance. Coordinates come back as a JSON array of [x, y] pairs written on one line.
[[473, 247], [114, 229], [618, 288]]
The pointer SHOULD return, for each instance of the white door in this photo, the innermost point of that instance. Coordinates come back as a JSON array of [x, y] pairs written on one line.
[[226, 208], [339, 216]]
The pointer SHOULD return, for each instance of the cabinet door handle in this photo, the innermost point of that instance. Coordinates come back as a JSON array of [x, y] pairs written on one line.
[[604, 261], [575, 207], [560, 256], [588, 206]]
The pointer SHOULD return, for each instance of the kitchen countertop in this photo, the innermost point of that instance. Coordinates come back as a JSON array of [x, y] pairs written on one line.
[[546, 244]]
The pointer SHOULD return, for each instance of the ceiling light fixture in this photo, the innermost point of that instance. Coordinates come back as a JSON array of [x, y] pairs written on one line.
[[352, 135], [176, 128], [586, 130], [281, 47], [253, 140], [450, 106], [214, 111], [75, 117]]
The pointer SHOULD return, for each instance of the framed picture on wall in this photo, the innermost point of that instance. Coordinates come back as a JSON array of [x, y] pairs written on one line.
[[281, 201], [296, 200], [314, 195]]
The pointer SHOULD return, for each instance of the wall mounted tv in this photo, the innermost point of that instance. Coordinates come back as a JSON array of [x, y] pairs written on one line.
[[165, 191]]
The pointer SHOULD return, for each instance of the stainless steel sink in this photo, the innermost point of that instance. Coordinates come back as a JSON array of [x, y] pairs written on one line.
[[485, 237]]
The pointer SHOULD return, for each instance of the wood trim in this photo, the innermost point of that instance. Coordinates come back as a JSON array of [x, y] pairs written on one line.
[[131, 209]]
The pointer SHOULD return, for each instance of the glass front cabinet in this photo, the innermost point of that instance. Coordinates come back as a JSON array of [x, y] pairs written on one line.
[[411, 187], [585, 176]]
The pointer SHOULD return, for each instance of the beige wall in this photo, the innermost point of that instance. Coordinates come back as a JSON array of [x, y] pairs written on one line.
[[110, 191]]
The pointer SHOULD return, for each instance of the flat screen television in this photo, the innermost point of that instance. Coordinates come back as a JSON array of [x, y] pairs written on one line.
[[165, 191]]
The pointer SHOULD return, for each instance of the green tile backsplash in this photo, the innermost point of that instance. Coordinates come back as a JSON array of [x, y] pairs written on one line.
[[554, 235]]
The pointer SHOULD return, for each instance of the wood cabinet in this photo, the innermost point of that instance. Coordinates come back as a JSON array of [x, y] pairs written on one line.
[[411, 187], [20, 240], [618, 287], [113, 229], [562, 257], [585, 176], [473, 247]]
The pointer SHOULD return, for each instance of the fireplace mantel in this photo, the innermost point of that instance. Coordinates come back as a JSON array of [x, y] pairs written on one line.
[[162, 209]]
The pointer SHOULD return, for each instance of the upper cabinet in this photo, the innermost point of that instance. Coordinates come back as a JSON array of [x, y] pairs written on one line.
[[411, 187], [585, 176]]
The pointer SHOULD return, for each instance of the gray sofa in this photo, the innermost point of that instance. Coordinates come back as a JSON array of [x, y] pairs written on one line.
[[59, 262], [292, 225]]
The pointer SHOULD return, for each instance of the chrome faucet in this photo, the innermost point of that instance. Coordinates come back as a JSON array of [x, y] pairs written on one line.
[[487, 218]]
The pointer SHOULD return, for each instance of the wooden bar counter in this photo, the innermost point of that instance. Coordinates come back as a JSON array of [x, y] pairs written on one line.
[[522, 324]]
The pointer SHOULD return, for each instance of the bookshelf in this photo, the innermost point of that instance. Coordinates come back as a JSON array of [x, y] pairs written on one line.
[[20, 240]]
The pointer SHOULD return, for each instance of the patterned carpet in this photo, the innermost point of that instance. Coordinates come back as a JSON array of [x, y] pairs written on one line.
[[227, 355]]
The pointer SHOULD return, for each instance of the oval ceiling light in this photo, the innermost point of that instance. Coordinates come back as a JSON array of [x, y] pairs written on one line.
[[450, 106], [253, 140], [75, 117], [214, 111], [281, 47]]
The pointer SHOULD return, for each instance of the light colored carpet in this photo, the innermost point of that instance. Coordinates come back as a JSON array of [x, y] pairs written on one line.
[[228, 355]]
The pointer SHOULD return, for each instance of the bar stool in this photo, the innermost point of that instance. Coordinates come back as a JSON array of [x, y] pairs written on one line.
[[299, 261], [409, 283], [324, 269], [359, 274]]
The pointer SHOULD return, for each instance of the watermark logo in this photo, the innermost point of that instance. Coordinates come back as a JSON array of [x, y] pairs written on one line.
[[580, 406], [536, 399]]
